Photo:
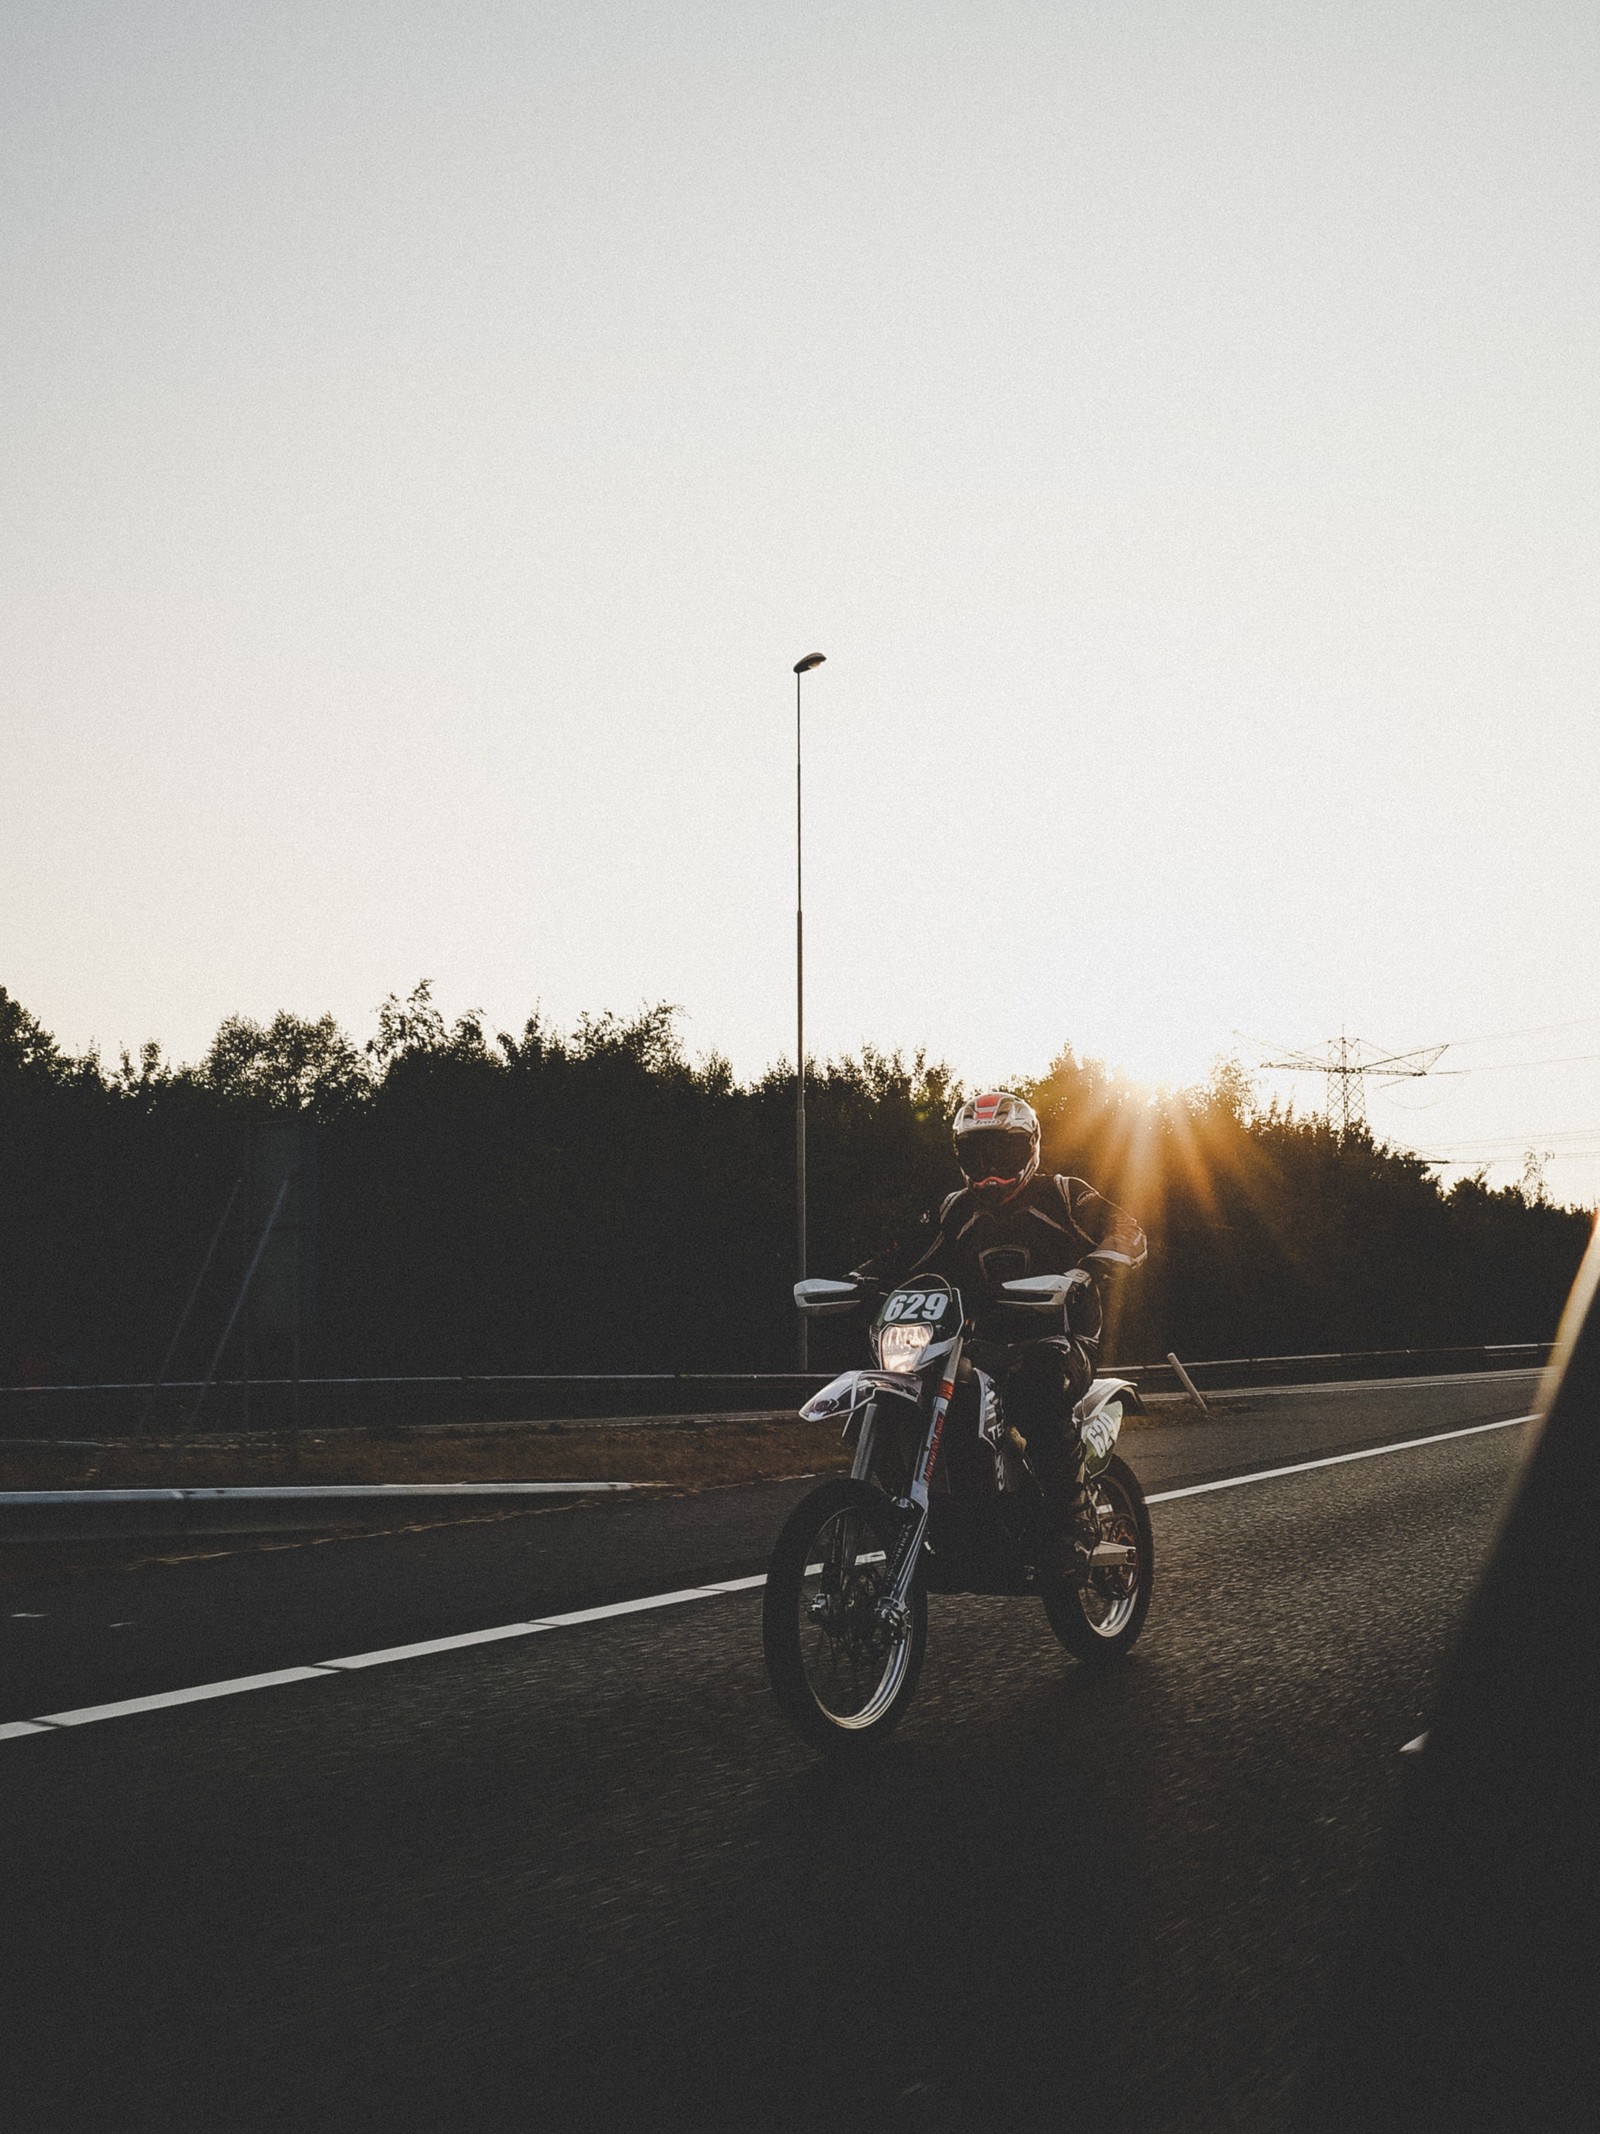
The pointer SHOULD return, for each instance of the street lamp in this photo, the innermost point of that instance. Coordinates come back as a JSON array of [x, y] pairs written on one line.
[[801, 666]]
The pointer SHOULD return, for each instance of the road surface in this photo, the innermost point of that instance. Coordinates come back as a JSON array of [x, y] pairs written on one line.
[[584, 1877]]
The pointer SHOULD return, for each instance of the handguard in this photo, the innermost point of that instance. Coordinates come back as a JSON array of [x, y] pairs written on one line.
[[853, 1389]]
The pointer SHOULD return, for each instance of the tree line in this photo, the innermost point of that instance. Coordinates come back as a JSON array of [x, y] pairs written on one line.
[[596, 1200]]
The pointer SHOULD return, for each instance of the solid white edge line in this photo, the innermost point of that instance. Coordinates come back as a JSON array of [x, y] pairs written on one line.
[[1334, 1459], [1309, 1386], [51, 1721]]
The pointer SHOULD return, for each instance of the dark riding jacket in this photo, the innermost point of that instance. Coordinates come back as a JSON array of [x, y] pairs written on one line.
[[1048, 1226]]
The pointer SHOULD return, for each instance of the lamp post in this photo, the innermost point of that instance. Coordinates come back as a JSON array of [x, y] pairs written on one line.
[[803, 666]]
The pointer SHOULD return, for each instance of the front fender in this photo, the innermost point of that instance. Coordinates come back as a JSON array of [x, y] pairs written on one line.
[[854, 1388], [1104, 1389], [1097, 1426]]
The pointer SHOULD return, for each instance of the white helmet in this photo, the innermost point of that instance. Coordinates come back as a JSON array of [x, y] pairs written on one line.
[[997, 1140]]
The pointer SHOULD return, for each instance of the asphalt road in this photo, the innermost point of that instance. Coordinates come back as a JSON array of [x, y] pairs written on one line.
[[586, 1878]]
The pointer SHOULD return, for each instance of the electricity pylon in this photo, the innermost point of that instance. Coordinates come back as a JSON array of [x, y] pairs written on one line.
[[1346, 1062], [1532, 1181]]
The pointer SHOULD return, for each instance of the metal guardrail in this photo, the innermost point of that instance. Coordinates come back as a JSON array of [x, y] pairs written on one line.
[[1331, 1366], [1469, 1349], [89, 1412], [123, 1408], [129, 1514]]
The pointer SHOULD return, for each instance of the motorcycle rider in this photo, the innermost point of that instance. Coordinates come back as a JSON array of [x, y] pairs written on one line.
[[1005, 1223]]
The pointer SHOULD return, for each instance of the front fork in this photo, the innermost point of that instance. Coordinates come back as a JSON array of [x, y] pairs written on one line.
[[894, 1610]]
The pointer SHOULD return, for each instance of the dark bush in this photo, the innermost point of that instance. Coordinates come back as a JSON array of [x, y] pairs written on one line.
[[597, 1201]]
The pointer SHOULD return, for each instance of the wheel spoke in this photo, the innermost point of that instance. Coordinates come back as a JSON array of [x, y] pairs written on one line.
[[1108, 1596], [853, 1665]]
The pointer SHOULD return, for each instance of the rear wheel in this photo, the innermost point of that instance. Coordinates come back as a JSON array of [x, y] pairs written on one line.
[[1100, 1619], [843, 1675]]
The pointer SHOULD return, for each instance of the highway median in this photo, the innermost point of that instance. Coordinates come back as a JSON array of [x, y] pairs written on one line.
[[141, 1484]]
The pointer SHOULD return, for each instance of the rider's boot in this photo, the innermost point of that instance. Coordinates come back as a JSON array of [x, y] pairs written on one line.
[[1040, 1393], [1070, 1528], [1083, 1525]]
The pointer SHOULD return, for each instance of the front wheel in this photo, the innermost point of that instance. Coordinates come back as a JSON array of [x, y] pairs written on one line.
[[843, 1675], [1100, 1619]]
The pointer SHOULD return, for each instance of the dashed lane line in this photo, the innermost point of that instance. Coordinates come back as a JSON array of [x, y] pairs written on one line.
[[90, 1714], [388, 1654], [164, 1700]]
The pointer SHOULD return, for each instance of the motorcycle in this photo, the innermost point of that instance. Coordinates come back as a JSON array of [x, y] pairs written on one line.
[[940, 1498]]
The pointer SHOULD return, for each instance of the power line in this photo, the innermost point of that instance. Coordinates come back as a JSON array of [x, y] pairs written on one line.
[[1346, 1062], [1491, 1037], [1519, 1141], [1560, 1059]]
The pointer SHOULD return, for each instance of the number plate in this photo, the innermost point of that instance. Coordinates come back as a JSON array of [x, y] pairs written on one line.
[[919, 1307]]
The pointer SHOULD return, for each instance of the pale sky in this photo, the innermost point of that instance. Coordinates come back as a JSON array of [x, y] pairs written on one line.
[[429, 434]]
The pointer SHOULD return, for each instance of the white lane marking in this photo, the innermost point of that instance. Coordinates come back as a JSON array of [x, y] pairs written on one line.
[[546, 1622], [51, 1721], [1414, 1748], [648, 1600], [88, 1715], [1368, 1385], [1334, 1459], [389, 1653]]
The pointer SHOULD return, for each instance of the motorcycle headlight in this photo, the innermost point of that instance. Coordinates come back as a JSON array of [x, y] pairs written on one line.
[[899, 1347]]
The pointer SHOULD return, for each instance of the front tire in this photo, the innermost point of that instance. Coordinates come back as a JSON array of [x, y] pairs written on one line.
[[1099, 1620], [843, 1678]]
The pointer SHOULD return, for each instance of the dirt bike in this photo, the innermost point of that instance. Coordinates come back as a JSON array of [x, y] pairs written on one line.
[[940, 1498]]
